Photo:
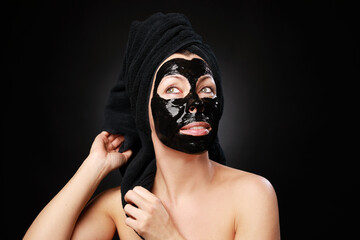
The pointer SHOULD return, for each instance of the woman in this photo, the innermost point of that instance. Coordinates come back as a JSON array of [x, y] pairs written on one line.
[[181, 193]]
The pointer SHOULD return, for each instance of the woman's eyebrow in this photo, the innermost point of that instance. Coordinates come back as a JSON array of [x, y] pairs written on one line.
[[172, 80], [176, 75], [205, 77]]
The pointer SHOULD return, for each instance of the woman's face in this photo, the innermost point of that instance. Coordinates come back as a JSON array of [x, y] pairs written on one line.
[[183, 103]]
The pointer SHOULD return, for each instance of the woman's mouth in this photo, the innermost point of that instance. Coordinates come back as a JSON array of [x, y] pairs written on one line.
[[196, 129]]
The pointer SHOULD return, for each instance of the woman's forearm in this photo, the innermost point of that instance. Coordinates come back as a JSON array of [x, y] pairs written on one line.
[[58, 218]]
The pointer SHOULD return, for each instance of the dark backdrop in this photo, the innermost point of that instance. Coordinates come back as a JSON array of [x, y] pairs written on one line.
[[283, 66]]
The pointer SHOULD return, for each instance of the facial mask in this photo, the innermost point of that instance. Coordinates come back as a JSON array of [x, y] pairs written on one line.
[[171, 115]]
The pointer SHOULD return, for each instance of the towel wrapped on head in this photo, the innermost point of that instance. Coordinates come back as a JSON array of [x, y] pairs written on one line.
[[150, 42]]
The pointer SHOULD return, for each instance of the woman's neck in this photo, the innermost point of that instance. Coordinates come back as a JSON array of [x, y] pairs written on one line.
[[179, 174]]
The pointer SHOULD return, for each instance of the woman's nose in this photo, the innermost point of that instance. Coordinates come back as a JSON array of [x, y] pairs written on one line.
[[196, 106]]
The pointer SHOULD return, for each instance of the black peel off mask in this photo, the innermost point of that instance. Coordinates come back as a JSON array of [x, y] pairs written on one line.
[[176, 119]]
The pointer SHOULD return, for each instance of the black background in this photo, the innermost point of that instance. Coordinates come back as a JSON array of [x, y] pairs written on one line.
[[285, 67]]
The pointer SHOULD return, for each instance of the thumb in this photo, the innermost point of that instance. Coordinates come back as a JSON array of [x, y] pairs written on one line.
[[118, 159], [127, 154]]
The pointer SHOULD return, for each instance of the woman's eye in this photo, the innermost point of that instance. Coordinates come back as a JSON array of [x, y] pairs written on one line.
[[206, 90], [172, 90]]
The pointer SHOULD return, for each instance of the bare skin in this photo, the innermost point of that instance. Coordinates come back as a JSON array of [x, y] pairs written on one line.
[[192, 197]]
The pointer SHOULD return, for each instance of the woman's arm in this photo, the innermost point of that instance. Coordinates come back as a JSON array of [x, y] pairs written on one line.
[[58, 218]]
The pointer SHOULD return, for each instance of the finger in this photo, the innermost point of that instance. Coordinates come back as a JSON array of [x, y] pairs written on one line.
[[131, 223], [134, 198], [116, 142], [127, 154], [111, 137], [105, 133], [132, 211], [143, 192], [100, 139]]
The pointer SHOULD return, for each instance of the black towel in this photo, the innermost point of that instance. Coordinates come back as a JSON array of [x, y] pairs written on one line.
[[150, 42]]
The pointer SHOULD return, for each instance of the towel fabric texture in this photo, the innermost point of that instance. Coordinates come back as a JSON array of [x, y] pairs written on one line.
[[149, 43]]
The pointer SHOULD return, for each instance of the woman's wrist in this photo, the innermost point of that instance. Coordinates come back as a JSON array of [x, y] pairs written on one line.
[[94, 168]]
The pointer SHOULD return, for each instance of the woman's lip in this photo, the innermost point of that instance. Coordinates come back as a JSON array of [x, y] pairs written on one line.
[[196, 129]]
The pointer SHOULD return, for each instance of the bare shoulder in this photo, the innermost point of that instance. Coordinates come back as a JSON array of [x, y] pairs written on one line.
[[242, 182], [109, 201], [113, 205], [254, 202], [110, 194], [97, 218]]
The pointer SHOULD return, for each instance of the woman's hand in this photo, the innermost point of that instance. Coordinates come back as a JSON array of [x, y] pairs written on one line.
[[58, 219], [150, 219], [105, 151]]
